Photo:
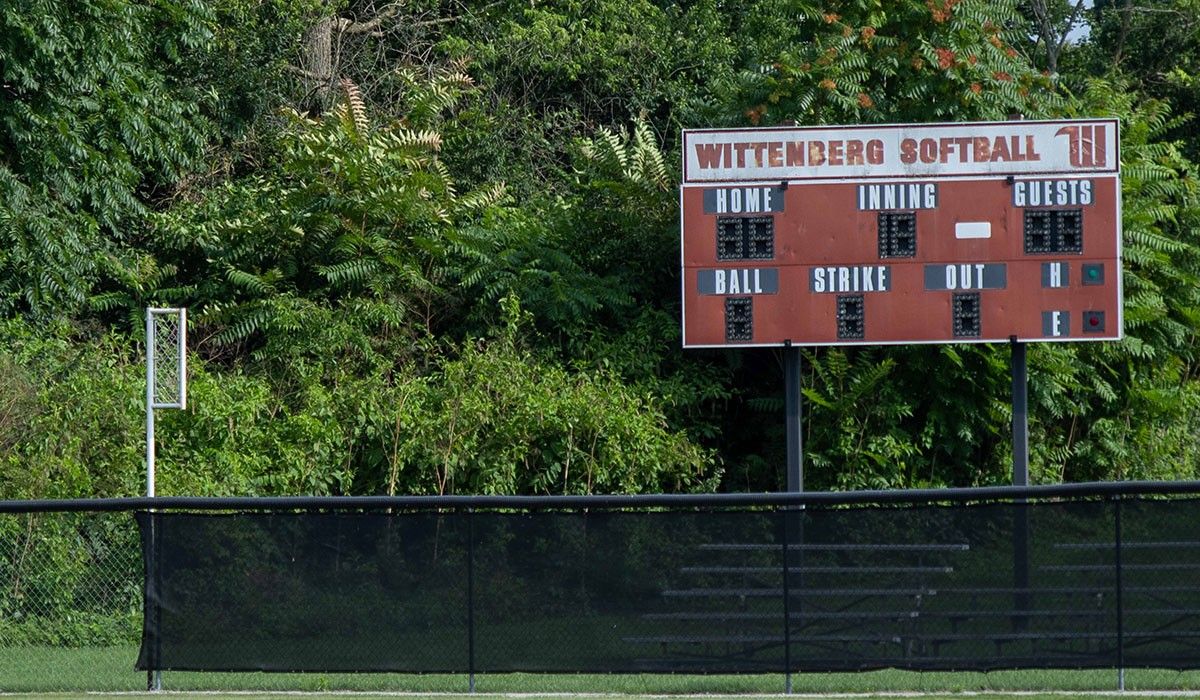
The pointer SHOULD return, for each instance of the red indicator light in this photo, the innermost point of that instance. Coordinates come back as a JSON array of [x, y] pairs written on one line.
[[1094, 321]]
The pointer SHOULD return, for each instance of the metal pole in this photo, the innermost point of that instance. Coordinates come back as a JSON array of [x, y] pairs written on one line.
[[787, 608], [1020, 413], [153, 675], [471, 600], [794, 417], [1120, 603], [149, 404], [157, 679], [1020, 477]]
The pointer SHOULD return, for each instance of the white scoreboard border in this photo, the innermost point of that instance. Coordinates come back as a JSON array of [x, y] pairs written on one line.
[[915, 130]]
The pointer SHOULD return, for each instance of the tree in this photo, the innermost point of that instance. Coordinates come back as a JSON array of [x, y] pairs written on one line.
[[92, 127], [432, 247], [1054, 22], [1154, 44], [321, 49], [912, 61]]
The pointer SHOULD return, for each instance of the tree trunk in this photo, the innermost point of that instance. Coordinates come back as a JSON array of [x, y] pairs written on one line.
[[1126, 19], [317, 59], [319, 53]]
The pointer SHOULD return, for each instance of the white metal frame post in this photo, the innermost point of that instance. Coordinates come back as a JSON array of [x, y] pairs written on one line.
[[150, 403], [176, 388], [159, 394]]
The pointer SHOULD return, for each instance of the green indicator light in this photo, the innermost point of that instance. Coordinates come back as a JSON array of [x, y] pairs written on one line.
[[1093, 272]]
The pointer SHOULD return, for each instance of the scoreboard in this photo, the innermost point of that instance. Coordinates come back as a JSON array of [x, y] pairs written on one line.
[[930, 233]]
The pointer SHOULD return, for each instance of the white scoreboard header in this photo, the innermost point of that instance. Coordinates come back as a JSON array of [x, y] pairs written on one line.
[[901, 151]]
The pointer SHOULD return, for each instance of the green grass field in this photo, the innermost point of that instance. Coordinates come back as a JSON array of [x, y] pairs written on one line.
[[58, 672], [483, 696]]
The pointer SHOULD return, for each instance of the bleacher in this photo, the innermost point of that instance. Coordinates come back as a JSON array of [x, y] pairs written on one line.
[[924, 605]]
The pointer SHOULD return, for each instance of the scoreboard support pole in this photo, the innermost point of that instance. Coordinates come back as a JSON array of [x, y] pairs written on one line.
[[794, 417], [1020, 413], [1020, 477]]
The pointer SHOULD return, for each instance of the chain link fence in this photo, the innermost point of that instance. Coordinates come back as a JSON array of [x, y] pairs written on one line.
[[588, 586], [71, 615], [71, 602]]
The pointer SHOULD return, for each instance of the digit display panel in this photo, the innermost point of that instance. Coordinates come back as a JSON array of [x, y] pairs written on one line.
[[897, 234]]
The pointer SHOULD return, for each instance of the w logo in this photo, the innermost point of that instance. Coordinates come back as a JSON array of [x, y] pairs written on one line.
[[1086, 145]]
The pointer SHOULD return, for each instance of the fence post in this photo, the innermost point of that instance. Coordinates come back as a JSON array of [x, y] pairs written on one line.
[[1021, 545], [148, 607], [157, 605], [151, 595], [1120, 598], [471, 600], [793, 416], [787, 600], [1020, 477]]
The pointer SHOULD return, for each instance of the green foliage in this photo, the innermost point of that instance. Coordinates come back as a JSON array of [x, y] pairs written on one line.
[[244, 66], [81, 429], [497, 419], [567, 259], [78, 429], [353, 211], [375, 312], [1129, 409], [488, 416], [894, 62], [604, 61], [1153, 44], [69, 581], [74, 629], [556, 71], [867, 448], [528, 255], [89, 122]]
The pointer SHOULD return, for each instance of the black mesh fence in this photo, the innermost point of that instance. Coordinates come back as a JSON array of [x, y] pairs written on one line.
[[611, 592], [1160, 581], [1079, 583], [295, 592], [981, 580]]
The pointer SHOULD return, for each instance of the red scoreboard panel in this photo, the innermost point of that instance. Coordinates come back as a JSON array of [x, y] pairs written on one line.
[[942, 233]]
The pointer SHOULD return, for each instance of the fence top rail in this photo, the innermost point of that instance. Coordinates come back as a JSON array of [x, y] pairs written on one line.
[[1107, 489], [847, 547]]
